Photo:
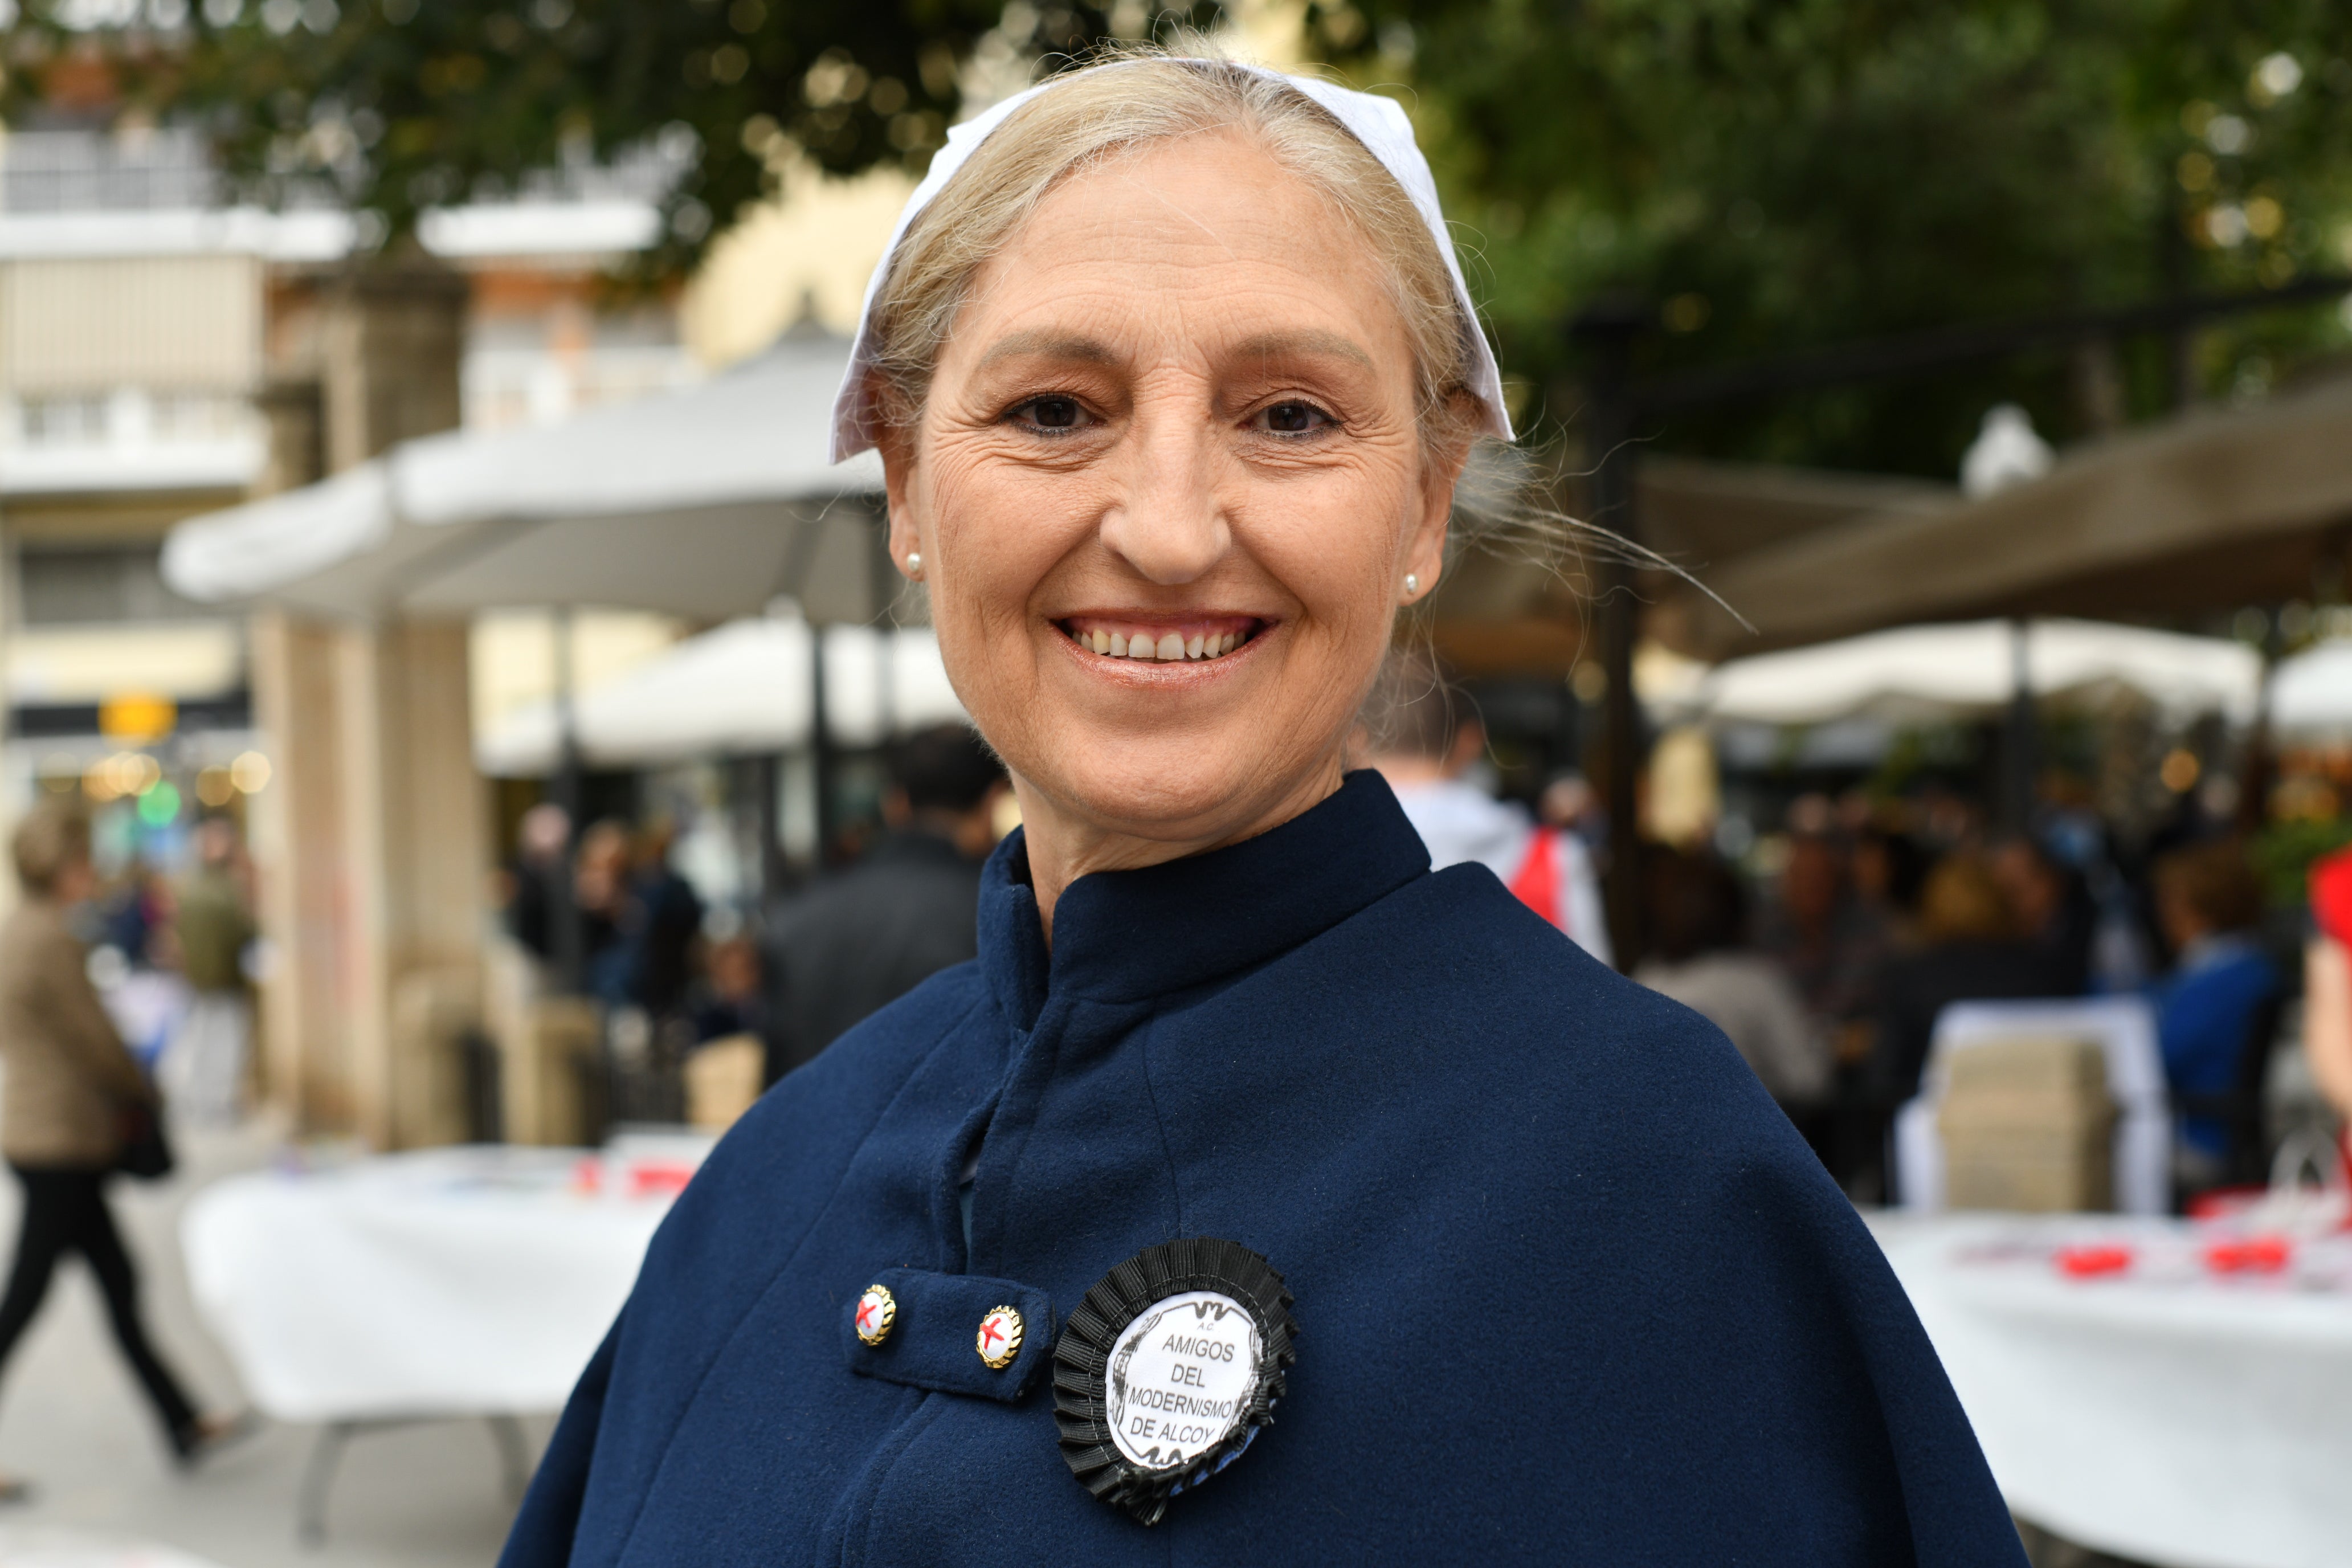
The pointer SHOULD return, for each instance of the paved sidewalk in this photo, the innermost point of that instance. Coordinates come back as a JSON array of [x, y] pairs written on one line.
[[72, 1420]]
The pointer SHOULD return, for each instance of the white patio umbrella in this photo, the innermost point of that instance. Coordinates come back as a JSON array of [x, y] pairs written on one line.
[[2310, 694], [743, 690], [1925, 674], [706, 502]]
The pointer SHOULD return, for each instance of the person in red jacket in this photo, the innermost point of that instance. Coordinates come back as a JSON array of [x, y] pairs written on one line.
[[2328, 981], [1421, 734]]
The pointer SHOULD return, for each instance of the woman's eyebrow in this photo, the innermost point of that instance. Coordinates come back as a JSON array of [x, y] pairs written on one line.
[[1045, 344], [1274, 345]]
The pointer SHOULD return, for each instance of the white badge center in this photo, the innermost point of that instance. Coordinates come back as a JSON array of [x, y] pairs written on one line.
[[1180, 1378]]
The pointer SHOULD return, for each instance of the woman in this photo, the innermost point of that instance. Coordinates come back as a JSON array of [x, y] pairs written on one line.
[[69, 1087], [1241, 1113]]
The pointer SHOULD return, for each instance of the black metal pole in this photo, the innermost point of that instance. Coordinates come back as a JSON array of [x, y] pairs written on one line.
[[767, 786], [1606, 335], [2019, 762]]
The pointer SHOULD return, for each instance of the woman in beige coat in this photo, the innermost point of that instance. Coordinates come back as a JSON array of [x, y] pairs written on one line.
[[69, 1087]]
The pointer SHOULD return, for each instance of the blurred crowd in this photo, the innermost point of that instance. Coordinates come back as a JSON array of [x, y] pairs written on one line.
[[676, 977], [1827, 950], [1831, 982], [174, 949], [1826, 953]]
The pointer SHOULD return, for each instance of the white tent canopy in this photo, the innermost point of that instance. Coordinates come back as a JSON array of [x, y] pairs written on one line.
[[744, 689], [2310, 694], [1940, 673], [707, 502]]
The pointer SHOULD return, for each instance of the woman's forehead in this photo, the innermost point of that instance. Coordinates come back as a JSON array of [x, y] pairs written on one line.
[[1198, 233]]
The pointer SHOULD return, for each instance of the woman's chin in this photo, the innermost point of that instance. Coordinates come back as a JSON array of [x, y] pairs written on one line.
[[1161, 793]]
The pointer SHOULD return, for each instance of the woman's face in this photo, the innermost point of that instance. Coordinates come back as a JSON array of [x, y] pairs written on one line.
[[1175, 418]]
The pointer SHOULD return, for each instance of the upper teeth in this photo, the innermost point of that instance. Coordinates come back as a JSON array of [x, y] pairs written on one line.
[[1166, 645]]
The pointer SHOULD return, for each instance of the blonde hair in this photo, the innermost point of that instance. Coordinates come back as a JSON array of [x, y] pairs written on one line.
[[1137, 99], [1963, 901], [50, 838]]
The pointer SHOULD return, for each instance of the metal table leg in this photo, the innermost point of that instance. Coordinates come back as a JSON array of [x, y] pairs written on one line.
[[318, 1477], [326, 1455], [513, 1460]]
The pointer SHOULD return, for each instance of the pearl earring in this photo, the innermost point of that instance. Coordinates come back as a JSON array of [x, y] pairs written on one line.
[[1411, 584], [914, 564]]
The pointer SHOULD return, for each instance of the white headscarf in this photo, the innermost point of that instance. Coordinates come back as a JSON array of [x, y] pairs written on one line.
[[1378, 122]]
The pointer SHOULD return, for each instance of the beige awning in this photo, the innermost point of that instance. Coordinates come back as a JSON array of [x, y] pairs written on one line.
[[2216, 509]]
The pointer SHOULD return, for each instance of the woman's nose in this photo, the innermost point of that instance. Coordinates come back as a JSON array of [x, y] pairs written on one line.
[[1171, 523]]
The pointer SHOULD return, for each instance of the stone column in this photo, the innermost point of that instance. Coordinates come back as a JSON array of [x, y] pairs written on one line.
[[416, 835], [295, 827], [375, 844], [390, 346]]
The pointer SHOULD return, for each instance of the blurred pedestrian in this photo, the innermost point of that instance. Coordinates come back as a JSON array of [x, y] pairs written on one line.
[[663, 923], [1972, 949], [2220, 994], [129, 913], [731, 1000], [866, 936], [71, 1091], [212, 924], [1570, 804], [1697, 917], [600, 888], [1889, 872], [1416, 731], [531, 879], [1831, 946], [2054, 912]]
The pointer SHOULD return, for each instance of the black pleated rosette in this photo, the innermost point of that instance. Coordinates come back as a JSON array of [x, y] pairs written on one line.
[[1083, 1355]]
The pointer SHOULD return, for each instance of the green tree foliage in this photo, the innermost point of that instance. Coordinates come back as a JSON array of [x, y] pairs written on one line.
[[1779, 174], [395, 107]]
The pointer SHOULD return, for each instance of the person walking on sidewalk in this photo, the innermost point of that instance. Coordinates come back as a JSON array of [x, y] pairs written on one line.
[[69, 1086]]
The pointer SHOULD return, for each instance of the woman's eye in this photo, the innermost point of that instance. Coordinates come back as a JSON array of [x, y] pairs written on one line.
[[1295, 419], [1052, 413]]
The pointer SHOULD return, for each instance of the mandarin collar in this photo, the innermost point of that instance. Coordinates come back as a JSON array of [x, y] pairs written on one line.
[[1125, 936]]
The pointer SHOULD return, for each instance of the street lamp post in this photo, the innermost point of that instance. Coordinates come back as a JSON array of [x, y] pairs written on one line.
[[1606, 333]]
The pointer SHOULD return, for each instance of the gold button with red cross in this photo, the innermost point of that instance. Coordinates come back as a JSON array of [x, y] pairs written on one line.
[[1000, 1337], [876, 1310]]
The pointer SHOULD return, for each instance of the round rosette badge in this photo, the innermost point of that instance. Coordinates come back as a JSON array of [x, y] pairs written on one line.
[[1168, 1369]]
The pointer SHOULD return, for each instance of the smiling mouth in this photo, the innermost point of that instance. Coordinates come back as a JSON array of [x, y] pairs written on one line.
[[1193, 639]]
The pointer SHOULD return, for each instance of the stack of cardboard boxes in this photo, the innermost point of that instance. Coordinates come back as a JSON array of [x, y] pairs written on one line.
[[2028, 1126]]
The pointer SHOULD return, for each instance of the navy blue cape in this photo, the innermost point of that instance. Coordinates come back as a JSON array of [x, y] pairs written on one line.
[[1568, 1287]]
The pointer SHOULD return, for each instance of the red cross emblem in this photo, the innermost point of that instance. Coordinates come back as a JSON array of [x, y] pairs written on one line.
[[876, 1310], [1000, 1337]]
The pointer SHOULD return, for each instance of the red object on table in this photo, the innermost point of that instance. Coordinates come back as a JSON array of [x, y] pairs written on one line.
[[652, 1178], [2091, 1261], [2249, 1255]]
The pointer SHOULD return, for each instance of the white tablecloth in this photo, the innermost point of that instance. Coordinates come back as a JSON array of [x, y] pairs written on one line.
[[450, 1282], [2167, 1413]]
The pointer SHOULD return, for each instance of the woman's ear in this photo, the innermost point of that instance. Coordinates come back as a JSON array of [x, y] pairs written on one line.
[[1424, 547], [897, 448]]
